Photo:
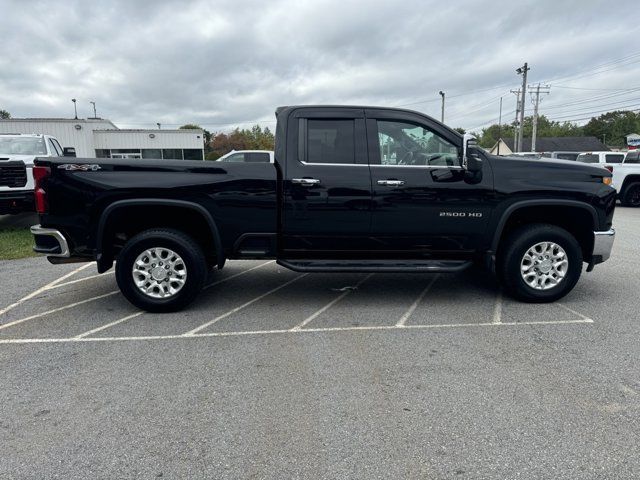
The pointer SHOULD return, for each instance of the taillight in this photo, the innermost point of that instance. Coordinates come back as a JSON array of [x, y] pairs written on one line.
[[39, 175], [609, 167]]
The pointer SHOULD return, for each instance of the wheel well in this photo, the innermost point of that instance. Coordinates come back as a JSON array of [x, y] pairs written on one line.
[[127, 221], [577, 221], [628, 181]]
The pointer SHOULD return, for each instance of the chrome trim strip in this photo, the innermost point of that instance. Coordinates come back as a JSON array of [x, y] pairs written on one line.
[[50, 232], [430, 167], [603, 244]]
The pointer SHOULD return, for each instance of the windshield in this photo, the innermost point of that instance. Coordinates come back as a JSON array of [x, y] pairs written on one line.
[[22, 146]]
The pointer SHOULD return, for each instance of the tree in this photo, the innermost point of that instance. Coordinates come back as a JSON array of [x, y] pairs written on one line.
[[253, 139], [460, 130], [546, 128], [612, 127], [4, 115]]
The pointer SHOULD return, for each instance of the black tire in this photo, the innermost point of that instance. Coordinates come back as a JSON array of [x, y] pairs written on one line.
[[512, 252], [631, 195], [184, 246]]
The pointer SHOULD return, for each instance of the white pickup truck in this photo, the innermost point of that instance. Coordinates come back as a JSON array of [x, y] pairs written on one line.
[[17, 153], [626, 179]]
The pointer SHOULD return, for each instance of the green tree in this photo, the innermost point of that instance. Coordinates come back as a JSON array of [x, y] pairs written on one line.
[[460, 130], [546, 128], [4, 115], [254, 138], [612, 127]]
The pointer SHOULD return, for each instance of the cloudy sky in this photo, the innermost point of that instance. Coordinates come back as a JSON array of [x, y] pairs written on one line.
[[231, 63]]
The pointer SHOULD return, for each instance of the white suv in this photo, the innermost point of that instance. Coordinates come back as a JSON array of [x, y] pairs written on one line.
[[603, 158], [17, 153]]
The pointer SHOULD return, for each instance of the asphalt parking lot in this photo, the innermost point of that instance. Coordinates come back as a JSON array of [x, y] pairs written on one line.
[[276, 374]]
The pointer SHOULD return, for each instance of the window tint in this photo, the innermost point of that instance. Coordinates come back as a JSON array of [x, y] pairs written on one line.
[[257, 157], [588, 158], [567, 156], [102, 153], [610, 158], [404, 143], [151, 153], [172, 154], [633, 157], [192, 154], [330, 141]]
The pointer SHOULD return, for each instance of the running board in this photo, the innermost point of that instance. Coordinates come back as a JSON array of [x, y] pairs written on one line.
[[383, 266]]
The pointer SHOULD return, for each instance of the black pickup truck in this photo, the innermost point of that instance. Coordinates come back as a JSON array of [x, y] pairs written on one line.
[[352, 189]]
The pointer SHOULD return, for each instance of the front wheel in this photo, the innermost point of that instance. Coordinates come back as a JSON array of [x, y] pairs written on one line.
[[161, 270], [539, 263], [631, 195]]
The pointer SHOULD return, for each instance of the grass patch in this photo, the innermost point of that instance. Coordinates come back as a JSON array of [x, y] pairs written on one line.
[[16, 243]]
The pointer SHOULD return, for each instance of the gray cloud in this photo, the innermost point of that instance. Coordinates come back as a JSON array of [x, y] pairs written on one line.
[[224, 63]]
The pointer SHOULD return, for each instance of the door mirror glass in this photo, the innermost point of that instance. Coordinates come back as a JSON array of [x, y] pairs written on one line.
[[69, 152]]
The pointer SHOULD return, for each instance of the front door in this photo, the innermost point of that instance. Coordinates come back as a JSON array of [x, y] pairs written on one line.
[[327, 187], [423, 206]]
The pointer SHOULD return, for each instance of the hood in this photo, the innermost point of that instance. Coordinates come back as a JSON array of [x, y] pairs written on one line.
[[27, 159], [553, 165]]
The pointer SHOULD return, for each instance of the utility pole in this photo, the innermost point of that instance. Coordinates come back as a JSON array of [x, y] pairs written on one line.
[[499, 127], [442, 114], [515, 123], [158, 125], [75, 108], [94, 109], [522, 71], [536, 103]]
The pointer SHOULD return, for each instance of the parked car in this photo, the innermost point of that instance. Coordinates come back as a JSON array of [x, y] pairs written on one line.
[[355, 189], [17, 153], [626, 179], [526, 154], [561, 155], [249, 156], [603, 158]]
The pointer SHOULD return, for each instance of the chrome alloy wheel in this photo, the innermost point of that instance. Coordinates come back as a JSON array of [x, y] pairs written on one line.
[[159, 272], [544, 265]]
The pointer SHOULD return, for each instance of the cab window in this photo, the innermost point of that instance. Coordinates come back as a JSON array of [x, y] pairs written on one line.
[[408, 144]]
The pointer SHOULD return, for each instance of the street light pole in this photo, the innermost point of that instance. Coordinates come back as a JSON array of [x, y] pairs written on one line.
[[75, 108], [95, 115], [522, 71], [442, 114]]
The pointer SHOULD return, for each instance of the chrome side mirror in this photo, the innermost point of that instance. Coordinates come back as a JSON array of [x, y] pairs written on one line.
[[469, 142]]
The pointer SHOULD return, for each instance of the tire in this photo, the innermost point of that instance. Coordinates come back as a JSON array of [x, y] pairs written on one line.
[[140, 267], [553, 280], [631, 195]]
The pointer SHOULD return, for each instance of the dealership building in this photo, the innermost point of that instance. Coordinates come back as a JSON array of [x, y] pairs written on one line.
[[96, 137]]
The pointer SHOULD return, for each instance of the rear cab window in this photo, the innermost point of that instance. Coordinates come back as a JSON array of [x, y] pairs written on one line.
[[613, 158], [588, 158]]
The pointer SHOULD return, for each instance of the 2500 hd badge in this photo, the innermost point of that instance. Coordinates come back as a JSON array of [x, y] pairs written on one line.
[[461, 214]]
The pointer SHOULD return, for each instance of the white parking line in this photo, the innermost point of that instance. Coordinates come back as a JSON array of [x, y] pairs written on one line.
[[238, 274], [83, 279], [305, 331], [329, 305], [497, 309], [572, 311], [104, 327], [42, 289], [230, 312], [415, 304], [59, 309]]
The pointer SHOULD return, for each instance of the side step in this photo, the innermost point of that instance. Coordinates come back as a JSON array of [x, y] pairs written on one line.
[[383, 266]]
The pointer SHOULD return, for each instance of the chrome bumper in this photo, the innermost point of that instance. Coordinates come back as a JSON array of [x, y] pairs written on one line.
[[602, 245], [59, 247]]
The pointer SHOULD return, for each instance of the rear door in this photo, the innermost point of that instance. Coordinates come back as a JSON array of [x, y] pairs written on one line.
[[422, 205], [327, 186]]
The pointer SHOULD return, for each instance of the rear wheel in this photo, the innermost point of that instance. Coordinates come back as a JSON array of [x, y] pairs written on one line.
[[161, 270], [540, 263], [631, 195]]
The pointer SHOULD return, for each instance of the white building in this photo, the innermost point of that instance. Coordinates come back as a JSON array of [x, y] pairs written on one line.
[[96, 137]]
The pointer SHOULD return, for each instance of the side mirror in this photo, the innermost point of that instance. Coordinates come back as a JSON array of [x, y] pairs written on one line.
[[471, 162], [69, 152]]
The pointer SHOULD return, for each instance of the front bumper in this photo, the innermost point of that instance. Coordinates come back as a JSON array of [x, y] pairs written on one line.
[[602, 245], [16, 201], [50, 242]]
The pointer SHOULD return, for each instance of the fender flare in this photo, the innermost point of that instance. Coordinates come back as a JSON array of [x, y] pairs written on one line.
[[539, 203], [104, 218]]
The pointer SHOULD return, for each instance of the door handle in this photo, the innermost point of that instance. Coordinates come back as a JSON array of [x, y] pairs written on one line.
[[391, 183], [306, 182]]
